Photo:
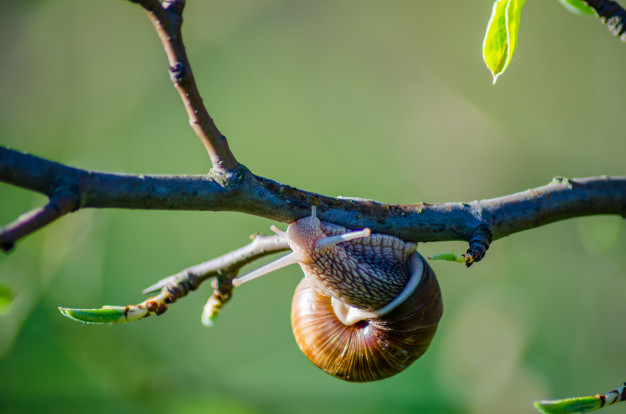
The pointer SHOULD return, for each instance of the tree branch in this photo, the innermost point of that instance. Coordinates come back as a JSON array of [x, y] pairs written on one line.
[[223, 269], [59, 205], [229, 263], [167, 20], [477, 222], [561, 199], [611, 14], [177, 286]]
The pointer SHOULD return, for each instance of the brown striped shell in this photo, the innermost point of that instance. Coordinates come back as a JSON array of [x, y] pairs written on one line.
[[371, 349]]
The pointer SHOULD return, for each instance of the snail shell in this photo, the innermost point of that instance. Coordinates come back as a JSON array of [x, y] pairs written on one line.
[[373, 348], [369, 304]]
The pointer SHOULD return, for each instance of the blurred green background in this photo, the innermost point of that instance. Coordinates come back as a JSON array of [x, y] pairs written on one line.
[[387, 100]]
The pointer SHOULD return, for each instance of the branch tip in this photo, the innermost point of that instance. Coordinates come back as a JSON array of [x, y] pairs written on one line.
[[612, 14], [60, 204], [479, 243], [222, 293], [149, 5], [156, 305], [175, 5], [7, 245]]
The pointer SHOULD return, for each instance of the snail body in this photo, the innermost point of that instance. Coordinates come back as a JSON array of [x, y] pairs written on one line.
[[369, 304]]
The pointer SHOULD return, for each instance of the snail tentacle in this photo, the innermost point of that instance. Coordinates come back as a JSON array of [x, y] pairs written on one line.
[[286, 260], [333, 240]]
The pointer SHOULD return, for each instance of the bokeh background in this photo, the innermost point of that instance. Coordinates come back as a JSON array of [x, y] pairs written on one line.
[[388, 100]]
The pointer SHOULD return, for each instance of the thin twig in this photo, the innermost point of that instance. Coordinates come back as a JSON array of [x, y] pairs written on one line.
[[223, 269], [167, 21], [229, 263], [59, 205], [177, 286]]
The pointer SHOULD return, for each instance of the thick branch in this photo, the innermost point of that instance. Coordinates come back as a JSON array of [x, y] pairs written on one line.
[[244, 192], [561, 199], [167, 21]]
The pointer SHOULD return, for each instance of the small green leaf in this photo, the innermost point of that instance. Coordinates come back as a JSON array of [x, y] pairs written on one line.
[[450, 257], [569, 405], [501, 35], [107, 314], [6, 297], [577, 7], [97, 316]]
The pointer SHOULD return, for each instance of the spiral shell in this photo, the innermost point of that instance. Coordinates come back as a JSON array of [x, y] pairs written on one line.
[[370, 349]]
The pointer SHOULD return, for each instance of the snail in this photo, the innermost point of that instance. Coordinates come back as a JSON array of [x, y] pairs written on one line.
[[368, 305]]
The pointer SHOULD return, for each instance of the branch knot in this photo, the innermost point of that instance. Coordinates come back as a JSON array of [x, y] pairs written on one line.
[[229, 179], [177, 72]]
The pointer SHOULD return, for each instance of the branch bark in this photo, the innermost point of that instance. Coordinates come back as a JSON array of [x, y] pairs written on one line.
[[60, 204], [227, 264], [611, 14], [477, 222], [167, 20], [230, 186]]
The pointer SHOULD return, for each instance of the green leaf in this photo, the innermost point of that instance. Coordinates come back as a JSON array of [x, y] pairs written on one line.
[[578, 7], [569, 405], [107, 314], [6, 297], [450, 257], [501, 35]]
